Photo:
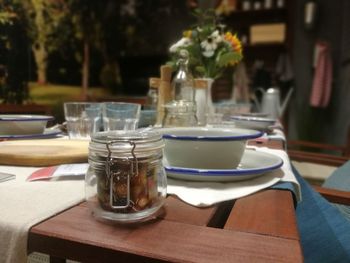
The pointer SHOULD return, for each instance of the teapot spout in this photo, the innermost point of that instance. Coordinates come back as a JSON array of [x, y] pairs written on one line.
[[286, 101]]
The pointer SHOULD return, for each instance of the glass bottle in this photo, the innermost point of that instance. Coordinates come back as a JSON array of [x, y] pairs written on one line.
[[181, 111], [152, 95]]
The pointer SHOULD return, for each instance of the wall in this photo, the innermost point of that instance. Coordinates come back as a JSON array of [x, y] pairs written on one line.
[[317, 124]]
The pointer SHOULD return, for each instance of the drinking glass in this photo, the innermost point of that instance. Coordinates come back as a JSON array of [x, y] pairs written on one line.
[[121, 116], [148, 118], [83, 119]]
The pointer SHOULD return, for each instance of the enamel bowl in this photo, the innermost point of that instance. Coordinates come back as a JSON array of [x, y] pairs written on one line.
[[206, 148], [249, 122], [229, 108], [16, 124]]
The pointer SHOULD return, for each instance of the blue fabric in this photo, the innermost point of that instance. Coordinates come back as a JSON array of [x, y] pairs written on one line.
[[324, 231], [340, 180], [286, 186]]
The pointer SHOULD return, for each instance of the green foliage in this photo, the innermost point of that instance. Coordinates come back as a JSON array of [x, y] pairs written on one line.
[[225, 59], [211, 50], [46, 22], [6, 17], [86, 21], [110, 77]]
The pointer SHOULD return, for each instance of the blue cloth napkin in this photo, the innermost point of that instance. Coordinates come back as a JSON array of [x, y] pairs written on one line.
[[288, 187], [324, 231]]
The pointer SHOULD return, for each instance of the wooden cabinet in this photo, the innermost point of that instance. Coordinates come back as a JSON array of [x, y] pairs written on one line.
[[242, 22]]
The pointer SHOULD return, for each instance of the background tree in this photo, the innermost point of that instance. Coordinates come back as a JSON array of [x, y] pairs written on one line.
[[45, 18], [13, 54], [86, 17]]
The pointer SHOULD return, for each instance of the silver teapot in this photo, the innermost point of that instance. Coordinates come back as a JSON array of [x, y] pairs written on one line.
[[271, 102]]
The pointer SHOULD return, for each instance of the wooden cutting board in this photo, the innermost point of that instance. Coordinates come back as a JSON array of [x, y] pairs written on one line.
[[43, 152]]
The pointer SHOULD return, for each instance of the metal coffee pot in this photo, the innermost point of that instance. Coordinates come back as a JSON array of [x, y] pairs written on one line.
[[271, 104]]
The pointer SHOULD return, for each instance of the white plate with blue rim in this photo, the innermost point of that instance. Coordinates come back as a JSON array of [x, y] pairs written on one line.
[[253, 164], [252, 122], [48, 133]]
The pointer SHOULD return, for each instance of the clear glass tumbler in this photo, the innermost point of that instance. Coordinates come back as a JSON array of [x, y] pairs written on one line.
[[121, 116], [83, 119]]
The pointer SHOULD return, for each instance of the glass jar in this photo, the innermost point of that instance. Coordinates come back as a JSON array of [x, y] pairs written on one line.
[[126, 181], [180, 114]]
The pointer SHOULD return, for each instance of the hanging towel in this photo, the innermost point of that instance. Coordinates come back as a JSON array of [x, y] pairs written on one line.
[[240, 84], [322, 83], [284, 69]]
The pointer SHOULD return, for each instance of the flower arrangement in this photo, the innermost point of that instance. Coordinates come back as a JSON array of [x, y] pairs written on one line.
[[211, 49]]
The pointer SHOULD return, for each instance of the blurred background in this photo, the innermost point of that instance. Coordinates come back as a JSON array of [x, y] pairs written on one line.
[[53, 51]]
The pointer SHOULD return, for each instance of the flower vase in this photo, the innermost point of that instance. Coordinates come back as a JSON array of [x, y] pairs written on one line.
[[210, 105], [203, 99]]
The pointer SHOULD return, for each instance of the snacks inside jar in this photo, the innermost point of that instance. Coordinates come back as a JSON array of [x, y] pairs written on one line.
[[127, 189]]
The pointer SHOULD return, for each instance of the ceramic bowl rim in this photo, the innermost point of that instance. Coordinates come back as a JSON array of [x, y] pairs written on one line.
[[24, 118], [253, 119], [252, 135]]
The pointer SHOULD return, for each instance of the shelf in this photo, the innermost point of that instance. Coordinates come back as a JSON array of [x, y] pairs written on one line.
[[276, 46], [244, 18]]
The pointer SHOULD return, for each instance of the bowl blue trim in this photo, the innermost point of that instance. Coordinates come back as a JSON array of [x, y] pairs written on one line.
[[213, 138], [39, 118], [257, 119], [226, 172], [46, 134]]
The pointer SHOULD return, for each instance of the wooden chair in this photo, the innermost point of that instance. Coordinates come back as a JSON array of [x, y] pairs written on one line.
[[25, 109], [333, 195], [130, 99], [328, 154], [322, 156]]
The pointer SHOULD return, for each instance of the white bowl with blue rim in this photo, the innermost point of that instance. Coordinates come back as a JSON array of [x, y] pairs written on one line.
[[206, 147], [18, 124], [252, 122]]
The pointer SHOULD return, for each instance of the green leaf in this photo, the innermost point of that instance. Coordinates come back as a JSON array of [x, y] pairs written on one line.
[[200, 69], [225, 59]]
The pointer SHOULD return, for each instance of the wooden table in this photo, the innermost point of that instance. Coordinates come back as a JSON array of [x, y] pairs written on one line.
[[257, 228]]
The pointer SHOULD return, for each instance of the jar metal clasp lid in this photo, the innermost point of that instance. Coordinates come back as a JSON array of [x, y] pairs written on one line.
[[115, 201]]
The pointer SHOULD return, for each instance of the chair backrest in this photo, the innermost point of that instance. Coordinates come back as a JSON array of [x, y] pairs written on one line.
[[321, 153], [25, 109], [347, 147]]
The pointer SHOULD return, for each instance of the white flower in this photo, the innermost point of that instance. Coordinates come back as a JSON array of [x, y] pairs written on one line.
[[217, 38], [183, 42], [209, 46], [208, 53]]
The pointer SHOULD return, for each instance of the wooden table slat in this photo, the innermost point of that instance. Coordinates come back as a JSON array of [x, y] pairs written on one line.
[[177, 210], [269, 212], [75, 234]]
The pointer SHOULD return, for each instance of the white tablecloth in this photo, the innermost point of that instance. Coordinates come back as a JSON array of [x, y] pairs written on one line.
[[24, 204]]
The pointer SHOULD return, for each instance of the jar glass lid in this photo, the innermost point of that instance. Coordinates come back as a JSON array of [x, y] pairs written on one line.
[[124, 141]]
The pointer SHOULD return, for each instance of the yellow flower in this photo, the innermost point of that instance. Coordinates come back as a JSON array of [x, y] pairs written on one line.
[[234, 41], [187, 33]]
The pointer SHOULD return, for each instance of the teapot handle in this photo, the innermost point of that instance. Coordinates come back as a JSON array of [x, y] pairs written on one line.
[[255, 99], [261, 90]]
